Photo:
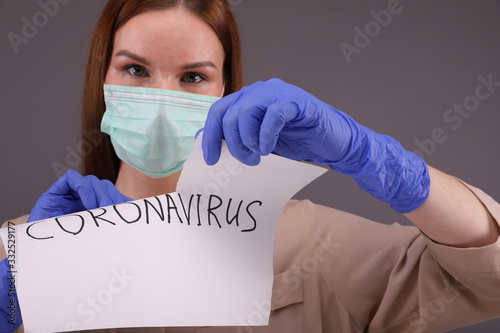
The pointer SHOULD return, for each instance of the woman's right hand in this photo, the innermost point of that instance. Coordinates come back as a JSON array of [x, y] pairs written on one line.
[[74, 193], [69, 194]]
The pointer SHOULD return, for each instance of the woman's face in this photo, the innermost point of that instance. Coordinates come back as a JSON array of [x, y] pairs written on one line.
[[168, 49]]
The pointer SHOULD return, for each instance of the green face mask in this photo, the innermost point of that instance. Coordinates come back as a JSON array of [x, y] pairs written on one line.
[[153, 130]]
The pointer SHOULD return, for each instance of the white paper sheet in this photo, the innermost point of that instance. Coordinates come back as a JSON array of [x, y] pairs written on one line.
[[155, 262]]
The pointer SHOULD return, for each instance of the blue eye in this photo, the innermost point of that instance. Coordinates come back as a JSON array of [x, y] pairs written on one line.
[[136, 70], [193, 77]]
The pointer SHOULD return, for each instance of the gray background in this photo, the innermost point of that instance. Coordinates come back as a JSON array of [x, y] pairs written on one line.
[[423, 62]]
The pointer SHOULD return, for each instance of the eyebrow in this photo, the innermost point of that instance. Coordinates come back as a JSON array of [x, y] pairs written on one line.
[[133, 56], [138, 58], [199, 64]]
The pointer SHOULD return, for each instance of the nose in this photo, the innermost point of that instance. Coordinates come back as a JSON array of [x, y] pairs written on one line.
[[165, 83]]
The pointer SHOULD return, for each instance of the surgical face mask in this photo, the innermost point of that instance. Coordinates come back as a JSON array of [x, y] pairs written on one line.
[[153, 130]]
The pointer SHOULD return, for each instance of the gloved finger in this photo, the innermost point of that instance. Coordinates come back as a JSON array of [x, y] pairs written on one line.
[[61, 198], [101, 194], [249, 109], [213, 132], [46, 207], [72, 180], [230, 126], [75, 185], [62, 185], [275, 119], [252, 110], [250, 118]]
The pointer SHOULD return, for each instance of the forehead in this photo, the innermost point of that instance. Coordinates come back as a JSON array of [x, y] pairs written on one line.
[[169, 34]]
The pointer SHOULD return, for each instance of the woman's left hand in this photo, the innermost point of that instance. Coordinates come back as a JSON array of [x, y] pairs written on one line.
[[277, 117]]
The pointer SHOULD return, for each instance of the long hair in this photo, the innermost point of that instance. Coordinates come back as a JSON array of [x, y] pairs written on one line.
[[101, 161]]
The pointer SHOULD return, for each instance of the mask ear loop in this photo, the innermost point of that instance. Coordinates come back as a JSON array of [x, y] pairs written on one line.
[[223, 90]]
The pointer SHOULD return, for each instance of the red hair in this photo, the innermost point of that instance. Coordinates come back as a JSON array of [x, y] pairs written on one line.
[[102, 161]]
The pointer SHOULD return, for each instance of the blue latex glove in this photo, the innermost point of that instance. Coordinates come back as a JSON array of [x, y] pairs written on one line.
[[70, 194], [277, 117], [10, 314], [75, 193]]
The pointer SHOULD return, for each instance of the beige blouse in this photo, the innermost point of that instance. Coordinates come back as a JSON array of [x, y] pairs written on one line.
[[337, 272]]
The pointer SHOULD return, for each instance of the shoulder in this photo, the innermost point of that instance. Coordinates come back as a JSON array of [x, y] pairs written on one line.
[[19, 220]]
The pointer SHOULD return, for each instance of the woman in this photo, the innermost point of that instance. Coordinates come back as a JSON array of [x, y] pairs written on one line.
[[370, 277]]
